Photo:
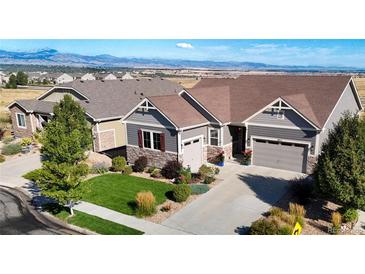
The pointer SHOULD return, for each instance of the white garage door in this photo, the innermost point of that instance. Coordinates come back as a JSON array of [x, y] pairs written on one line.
[[281, 155], [192, 156]]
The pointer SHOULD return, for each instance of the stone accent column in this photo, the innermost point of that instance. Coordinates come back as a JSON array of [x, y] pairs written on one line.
[[213, 152], [311, 162], [228, 151]]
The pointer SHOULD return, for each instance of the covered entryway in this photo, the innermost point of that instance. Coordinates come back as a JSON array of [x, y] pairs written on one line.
[[193, 154], [279, 154]]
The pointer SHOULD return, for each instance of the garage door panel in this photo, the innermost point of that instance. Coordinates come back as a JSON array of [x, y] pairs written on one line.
[[192, 156], [280, 156]]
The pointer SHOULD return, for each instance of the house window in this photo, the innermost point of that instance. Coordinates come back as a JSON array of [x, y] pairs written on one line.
[[156, 141], [152, 140], [147, 139], [280, 114], [20, 118], [214, 137]]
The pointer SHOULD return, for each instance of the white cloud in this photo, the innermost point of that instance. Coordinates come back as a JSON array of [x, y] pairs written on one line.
[[185, 45]]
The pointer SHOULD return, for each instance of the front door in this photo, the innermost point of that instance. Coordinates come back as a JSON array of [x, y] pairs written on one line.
[[238, 144]]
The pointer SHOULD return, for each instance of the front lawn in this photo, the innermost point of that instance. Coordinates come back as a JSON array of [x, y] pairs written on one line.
[[90, 222], [117, 192]]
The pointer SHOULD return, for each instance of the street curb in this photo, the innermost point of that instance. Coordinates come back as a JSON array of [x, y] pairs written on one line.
[[47, 219]]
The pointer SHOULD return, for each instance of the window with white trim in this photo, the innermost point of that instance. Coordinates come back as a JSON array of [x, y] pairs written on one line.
[[213, 137], [20, 118], [151, 140]]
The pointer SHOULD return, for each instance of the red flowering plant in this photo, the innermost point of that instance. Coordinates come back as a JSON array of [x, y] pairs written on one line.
[[247, 154], [220, 157]]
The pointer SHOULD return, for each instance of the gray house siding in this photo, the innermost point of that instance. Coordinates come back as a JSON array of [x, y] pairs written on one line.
[[207, 116], [57, 95], [346, 103], [151, 116], [282, 133], [291, 118], [170, 135], [186, 134]]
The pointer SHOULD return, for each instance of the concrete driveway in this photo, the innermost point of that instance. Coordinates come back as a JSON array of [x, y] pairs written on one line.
[[11, 171], [229, 208]]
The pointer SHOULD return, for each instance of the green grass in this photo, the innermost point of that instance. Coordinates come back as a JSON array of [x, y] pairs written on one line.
[[117, 192], [90, 222]]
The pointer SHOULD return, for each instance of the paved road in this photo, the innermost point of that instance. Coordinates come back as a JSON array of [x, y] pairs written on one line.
[[16, 218], [230, 207]]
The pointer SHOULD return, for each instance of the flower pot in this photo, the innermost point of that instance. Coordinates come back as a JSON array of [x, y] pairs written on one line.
[[220, 163]]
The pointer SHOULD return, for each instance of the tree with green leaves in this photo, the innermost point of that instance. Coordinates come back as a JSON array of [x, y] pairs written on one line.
[[65, 140], [21, 78], [12, 82], [340, 171]]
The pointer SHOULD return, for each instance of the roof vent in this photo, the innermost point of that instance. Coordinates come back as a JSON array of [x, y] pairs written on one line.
[[142, 94], [121, 80], [102, 80], [81, 81], [135, 92]]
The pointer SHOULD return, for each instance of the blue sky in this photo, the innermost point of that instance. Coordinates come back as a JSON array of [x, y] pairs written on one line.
[[277, 52]]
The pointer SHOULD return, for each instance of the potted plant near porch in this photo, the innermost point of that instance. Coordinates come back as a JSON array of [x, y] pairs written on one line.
[[220, 159], [246, 159]]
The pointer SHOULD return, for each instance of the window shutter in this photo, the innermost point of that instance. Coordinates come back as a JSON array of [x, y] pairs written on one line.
[[140, 138], [162, 141]]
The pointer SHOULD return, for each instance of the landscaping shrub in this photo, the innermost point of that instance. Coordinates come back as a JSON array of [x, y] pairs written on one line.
[[151, 169], [336, 220], [99, 168], [140, 164], [285, 230], [199, 189], [302, 189], [26, 142], [2, 158], [118, 163], [156, 173], [278, 212], [83, 169], [7, 140], [146, 203], [298, 212], [127, 170], [205, 171], [11, 149], [208, 180], [181, 192], [263, 226], [184, 176], [350, 215], [216, 170], [171, 169]]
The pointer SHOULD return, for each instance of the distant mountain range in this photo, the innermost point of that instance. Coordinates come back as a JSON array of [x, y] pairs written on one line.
[[51, 57]]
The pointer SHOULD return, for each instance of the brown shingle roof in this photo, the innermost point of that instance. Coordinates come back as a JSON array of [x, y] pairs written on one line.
[[178, 110], [36, 105], [313, 96], [115, 98]]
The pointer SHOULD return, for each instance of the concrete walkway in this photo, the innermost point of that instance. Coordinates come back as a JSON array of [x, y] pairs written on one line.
[[148, 228], [11, 171]]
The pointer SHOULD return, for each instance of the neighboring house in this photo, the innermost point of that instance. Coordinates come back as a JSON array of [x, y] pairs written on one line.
[[57, 78], [34, 77], [87, 77], [127, 76], [283, 119], [105, 76], [2, 75], [105, 102]]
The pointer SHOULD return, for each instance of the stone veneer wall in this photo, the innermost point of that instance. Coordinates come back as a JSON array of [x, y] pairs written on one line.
[[154, 157], [22, 132], [210, 152]]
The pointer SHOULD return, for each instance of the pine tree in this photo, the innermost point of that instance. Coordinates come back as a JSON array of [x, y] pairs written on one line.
[[340, 171]]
